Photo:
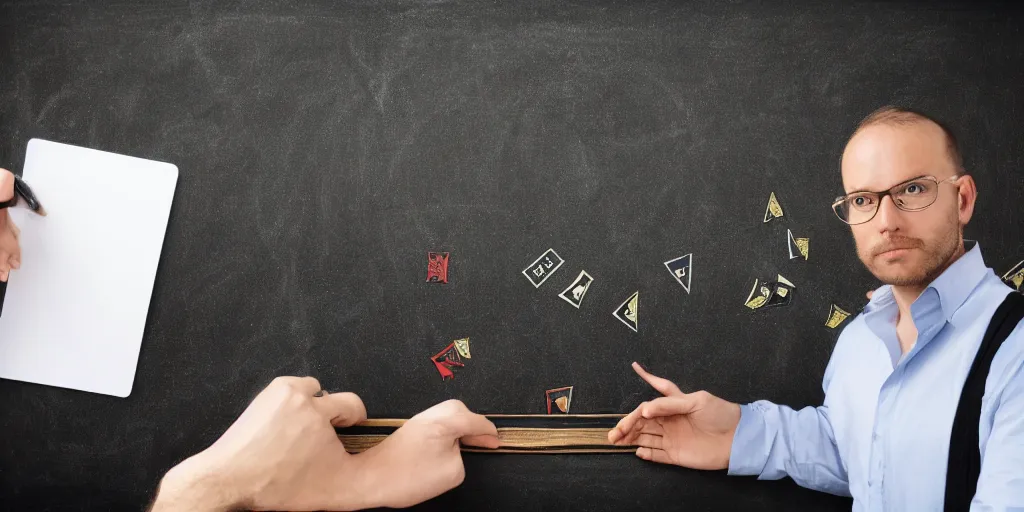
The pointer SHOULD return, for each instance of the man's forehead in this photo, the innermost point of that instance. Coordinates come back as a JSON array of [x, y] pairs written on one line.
[[882, 155]]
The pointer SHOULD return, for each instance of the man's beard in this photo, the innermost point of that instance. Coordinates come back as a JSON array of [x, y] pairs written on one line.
[[937, 257]]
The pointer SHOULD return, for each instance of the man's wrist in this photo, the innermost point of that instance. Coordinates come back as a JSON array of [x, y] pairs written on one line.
[[195, 486], [368, 482]]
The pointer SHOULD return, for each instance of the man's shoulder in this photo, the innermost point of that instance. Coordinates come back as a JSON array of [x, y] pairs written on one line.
[[853, 336], [1007, 366]]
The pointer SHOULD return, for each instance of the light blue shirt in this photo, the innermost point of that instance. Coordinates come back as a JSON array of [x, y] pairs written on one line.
[[882, 435]]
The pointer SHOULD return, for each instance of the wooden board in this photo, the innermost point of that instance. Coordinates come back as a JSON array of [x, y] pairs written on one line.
[[525, 433]]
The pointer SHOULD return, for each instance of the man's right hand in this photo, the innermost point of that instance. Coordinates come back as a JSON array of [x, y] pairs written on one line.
[[693, 430]]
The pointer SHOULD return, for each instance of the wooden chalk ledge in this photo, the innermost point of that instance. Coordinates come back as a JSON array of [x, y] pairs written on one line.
[[568, 433]]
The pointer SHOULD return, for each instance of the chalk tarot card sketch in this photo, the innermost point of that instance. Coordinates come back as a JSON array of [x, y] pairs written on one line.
[[559, 400], [781, 292], [462, 345], [797, 246], [770, 293], [836, 316], [542, 268], [1015, 277], [437, 267], [774, 209], [627, 311], [447, 360], [681, 269], [759, 295], [575, 292]]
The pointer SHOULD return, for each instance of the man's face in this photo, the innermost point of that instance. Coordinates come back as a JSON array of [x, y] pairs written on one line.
[[904, 248]]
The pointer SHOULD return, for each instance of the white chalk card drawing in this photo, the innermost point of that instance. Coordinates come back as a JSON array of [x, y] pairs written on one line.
[[577, 290], [542, 268]]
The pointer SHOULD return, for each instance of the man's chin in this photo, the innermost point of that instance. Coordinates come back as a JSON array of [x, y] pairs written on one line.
[[897, 274]]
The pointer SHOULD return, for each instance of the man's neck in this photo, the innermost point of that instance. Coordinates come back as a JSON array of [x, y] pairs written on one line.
[[905, 296]]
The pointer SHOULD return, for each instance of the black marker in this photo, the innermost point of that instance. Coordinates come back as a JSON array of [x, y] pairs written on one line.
[[22, 189]]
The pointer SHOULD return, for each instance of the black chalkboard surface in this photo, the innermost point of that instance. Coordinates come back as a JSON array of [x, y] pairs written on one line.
[[326, 147]]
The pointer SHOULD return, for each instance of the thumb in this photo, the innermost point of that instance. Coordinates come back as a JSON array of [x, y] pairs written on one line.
[[487, 441], [462, 422], [6, 185], [669, 406]]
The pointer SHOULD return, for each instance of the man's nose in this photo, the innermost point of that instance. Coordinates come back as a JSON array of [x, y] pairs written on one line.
[[889, 216]]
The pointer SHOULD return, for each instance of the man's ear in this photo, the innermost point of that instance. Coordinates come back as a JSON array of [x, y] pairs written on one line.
[[967, 194]]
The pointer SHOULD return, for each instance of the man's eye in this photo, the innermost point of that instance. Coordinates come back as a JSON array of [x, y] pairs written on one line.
[[861, 201], [915, 188]]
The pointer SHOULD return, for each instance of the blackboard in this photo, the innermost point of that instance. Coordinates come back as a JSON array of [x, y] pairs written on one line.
[[326, 147]]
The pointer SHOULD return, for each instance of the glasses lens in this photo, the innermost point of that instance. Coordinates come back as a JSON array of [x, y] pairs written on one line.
[[857, 208], [916, 195]]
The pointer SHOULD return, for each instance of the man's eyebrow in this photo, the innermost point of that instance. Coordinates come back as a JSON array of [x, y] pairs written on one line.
[[896, 185]]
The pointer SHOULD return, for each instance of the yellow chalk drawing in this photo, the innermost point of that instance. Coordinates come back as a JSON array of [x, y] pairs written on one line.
[[463, 347], [797, 246], [774, 209], [627, 311], [1015, 277], [836, 316], [631, 308], [758, 296]]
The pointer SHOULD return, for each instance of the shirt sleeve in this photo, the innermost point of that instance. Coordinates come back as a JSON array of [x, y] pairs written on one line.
[[1001, 482], [774, 441]]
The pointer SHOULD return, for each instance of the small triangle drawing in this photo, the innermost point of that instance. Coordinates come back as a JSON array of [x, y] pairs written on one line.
[[681, 269], [774, 209], [797, 246]]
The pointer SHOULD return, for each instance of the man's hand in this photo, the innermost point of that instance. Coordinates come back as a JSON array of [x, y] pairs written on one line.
[[281, 454], [693, 430], [10, 250], [422, 458]]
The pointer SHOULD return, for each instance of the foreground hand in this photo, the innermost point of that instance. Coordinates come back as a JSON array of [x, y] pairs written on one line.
[[10, 250], [693, 430], [281, 454], [422, 458], [284, 454]]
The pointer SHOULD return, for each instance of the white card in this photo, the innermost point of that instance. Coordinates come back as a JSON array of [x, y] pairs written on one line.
[[74, 313]]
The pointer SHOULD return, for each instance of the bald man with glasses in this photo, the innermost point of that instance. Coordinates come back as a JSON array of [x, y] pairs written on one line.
[[910, 420]]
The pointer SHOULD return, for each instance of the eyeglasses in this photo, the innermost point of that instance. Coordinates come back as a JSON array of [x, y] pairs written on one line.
[[910, 196]]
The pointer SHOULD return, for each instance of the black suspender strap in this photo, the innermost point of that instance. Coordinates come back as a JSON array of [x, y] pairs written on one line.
[[964, 465]]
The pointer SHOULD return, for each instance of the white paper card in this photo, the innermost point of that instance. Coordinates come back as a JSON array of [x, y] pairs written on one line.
[[74, 313]]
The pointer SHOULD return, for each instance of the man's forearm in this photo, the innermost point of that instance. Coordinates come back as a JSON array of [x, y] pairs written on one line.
[[774, 441], [197, 485], [188, 488]]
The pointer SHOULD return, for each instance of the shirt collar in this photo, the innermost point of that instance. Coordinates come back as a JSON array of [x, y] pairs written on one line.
[[957, 282], [953, 286]]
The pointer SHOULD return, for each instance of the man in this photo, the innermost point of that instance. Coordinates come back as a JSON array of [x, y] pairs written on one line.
[[10, 252], [895, 377]]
